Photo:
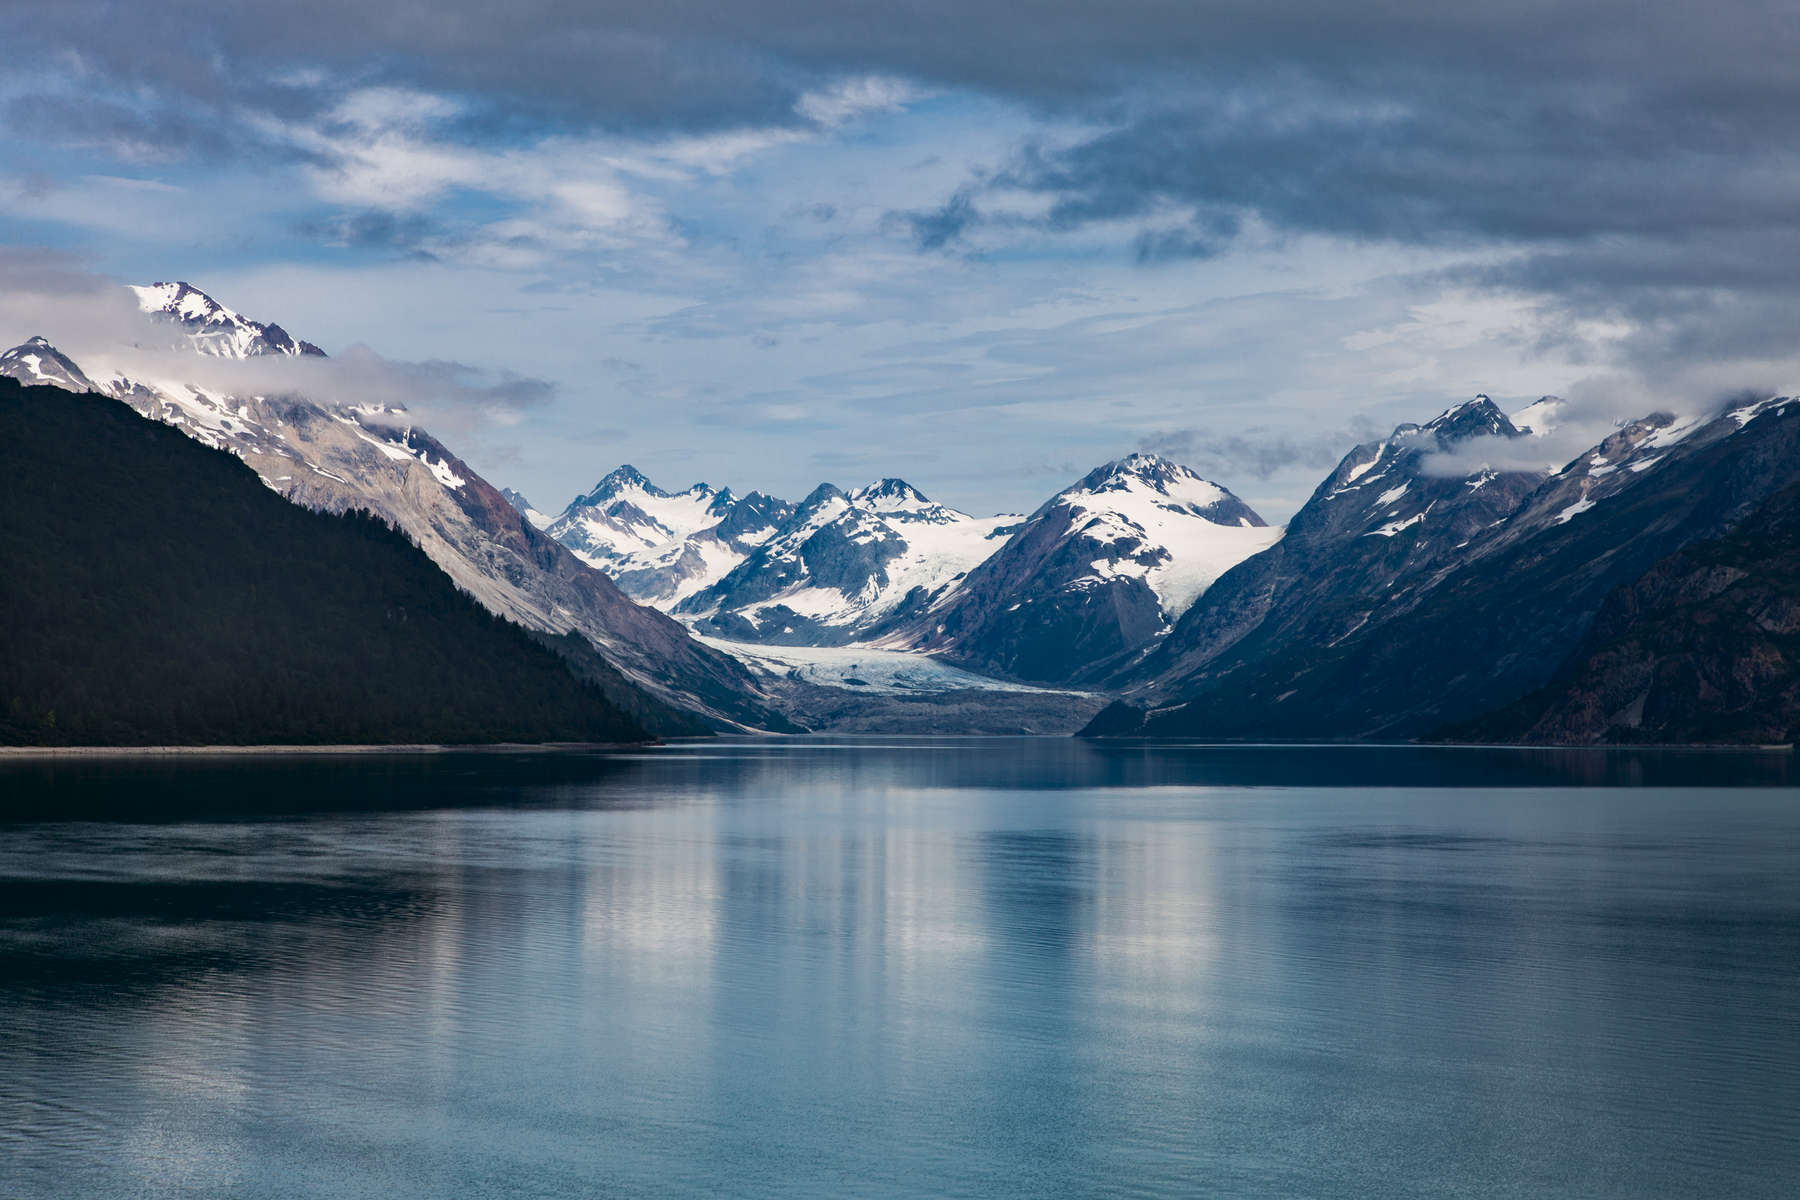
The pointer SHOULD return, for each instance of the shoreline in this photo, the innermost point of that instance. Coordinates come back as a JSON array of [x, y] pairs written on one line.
[[418, 748], [36, 752]]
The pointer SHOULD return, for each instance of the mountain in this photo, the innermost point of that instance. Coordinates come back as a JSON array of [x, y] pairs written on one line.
[[845, 567], [1452, 634], [1703, 647], [211, 328], [155, 592], [1100, 571], [661, 547], [1386, 515], [339, 458], [38, 362], [519, 502]]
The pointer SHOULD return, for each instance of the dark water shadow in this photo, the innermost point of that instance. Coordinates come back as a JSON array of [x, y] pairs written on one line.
[[248, 787]]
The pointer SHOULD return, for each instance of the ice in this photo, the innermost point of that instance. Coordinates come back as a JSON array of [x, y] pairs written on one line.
[[863, 669]]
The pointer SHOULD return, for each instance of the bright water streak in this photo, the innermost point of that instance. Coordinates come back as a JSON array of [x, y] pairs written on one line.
[[980, 968]]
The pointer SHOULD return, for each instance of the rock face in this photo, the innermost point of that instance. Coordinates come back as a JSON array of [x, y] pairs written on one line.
[[1441, 634], [1704, 647], [1095, 575], [337, 459], [845, 567]]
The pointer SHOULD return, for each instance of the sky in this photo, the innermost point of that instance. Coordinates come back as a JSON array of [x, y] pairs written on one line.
[[981, 246]]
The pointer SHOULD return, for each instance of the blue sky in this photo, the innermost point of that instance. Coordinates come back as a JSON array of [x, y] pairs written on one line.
[[980, 248]]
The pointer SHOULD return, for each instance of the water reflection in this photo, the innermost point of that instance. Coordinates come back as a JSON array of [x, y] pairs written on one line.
[[999, 968], [200, 787]]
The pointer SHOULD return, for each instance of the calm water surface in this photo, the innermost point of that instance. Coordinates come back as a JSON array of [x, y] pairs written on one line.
[[985, 967]]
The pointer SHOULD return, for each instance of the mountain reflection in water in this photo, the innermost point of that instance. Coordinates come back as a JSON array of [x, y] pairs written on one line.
[[901, 966]]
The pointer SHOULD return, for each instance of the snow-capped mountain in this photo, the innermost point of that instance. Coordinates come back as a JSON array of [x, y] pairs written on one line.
[[519, 502], [1389, 512], [846, 567], [662, 547], [343, 457], [1099, 571], [212, 328], [1540, 417], [38, 362], [1352, 629]]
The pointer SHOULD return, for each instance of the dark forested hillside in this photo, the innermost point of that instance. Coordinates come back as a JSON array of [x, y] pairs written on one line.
[[153, 591]]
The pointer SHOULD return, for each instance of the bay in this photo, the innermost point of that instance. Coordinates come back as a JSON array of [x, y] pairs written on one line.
[[913, 967]]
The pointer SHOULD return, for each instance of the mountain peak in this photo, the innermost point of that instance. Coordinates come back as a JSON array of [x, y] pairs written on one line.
[[1158, 473], [890, 493], [1150, 479], [627, 475], [36, 361], [182, 299], [215, 329], [820, 495], [1479, 417], [616, 482], [1540, 417]]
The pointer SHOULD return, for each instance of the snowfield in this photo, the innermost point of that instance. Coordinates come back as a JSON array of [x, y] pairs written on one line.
[[1160, 504]]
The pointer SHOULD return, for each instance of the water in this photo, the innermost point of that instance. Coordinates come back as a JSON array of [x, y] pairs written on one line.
[[979, 968]]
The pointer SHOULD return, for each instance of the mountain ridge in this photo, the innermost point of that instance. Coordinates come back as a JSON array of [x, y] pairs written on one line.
[[336, 458], [156, 593], [1455, 639]]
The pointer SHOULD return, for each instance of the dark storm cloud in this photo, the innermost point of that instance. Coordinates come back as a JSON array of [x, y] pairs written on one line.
[[1639, 149], [1411, 120], [622, 61], [1453, 159], [1705, 295]]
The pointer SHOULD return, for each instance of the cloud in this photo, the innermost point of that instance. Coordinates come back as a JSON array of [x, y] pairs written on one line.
[[1594, 408], [96, 321], [53, 294], [939, 227], [1259, 452], [406, 233], [1113, 219], [1552, 128], [850, 99], [450, 398]]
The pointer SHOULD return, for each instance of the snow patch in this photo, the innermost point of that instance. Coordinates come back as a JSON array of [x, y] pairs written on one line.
[[1574, 510]]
